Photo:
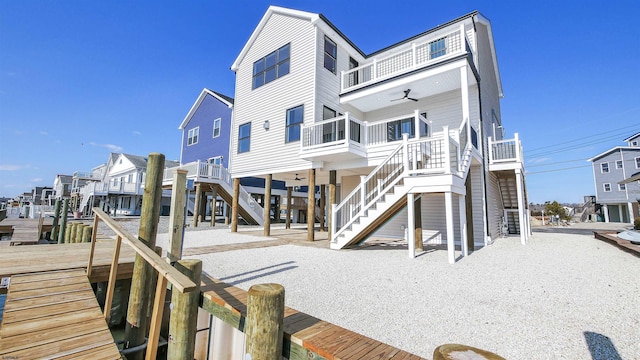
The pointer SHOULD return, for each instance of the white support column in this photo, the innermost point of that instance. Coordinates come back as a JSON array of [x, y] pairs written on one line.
[[620, 212], [347, 129], [464, 94], [490, 147], [519, 189], [447, 150], [416, 124], [405, 151], [630, 209], [463, 224], [451, 246], [411, 225], [606, 213], [517, 146]]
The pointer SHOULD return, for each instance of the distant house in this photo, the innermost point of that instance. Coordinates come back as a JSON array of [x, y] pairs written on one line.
[[618, 199], [62, 186], [117, 186], [413, 128]]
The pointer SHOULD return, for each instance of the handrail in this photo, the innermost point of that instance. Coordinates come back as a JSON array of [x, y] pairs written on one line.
[[180, 281]]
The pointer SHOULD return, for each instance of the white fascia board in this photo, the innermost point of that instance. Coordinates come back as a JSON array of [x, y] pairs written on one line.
[[605, 153], [631, 137], [196, 105], [486, 22], [312, 17]]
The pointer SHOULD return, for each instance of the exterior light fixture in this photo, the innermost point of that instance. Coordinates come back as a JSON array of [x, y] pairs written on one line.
[[266, 125]]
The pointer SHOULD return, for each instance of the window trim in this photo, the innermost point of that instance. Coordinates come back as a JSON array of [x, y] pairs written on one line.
[[212, 160], [619, 162], [219, 127], [276, 66], [245, 138], [602, 168], [288, 126], [334, 57], [191, 134], [637, 162], [605, 185], [622, 187]]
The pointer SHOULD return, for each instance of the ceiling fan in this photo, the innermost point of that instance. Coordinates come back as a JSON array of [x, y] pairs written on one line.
[[296, 178], [406, 96]]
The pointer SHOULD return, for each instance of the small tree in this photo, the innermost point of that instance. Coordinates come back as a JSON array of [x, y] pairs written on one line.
[[555, 208]]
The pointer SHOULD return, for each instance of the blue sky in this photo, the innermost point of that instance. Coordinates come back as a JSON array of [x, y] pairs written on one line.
[[79, 79]]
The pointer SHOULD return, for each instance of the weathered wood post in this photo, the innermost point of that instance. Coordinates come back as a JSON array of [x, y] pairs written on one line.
[[184, 314], [227, 213], [79, 230], [418, 223], [287, 221], [264, 323], [74, 232], [136, 326], [176, 214], [332, 199], [234, 205], [56, 218], [214, 197], [86, 233], [311, 205], [63, 221], [197, 205], [323, 203], [267, 206], [67, 233]]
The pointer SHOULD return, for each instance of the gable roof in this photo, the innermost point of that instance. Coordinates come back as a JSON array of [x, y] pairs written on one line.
[[140, 162], [222, 98], [631, 137], [314, 19], [614, 149]]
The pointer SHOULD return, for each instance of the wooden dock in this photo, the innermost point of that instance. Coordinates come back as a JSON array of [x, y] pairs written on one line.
[[25, 231], [305, 337], [54, 315]]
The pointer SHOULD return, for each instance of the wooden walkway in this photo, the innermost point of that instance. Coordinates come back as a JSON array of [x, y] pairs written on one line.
[[305, 337], [54, 315], [25, 231]]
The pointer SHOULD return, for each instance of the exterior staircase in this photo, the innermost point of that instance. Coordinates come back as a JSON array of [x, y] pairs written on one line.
[[383, 193], [509, 194], [202, 172]]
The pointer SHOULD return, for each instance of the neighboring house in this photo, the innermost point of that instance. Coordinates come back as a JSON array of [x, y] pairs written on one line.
[[618, 199], [118, 185], [311, 106], [62, 186], [205, 154]]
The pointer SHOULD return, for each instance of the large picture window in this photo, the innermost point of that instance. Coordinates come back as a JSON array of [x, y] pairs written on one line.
[[271, 67], [395, 129], [244, 137], [330, 55], [192, 136], [295, 117], [216, 127]]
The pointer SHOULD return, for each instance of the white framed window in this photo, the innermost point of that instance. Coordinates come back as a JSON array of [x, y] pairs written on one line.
[[437, 48], [607, 187], [618, 164], [622, 187], [638, 162], [330, 55], [244, 137], [130, 178], [634, 143], [216, 127], [604, 168], [192, 137], [216, 160]]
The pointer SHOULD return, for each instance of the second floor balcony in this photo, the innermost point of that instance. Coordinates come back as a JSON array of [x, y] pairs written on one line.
[[506, 154]]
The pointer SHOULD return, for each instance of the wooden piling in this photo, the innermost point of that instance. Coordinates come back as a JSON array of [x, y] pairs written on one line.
[[136, 326], [184, 314], [63, 221], [264, 322], [86, 233], [323, 201], [332, 199], [74, 232], [418, 223], [79, 229], [287, 221], [67, 233], [234, 205], [197, 205], [56, 218], [311, 205], [214, 197], [267, 206], [176, 214]]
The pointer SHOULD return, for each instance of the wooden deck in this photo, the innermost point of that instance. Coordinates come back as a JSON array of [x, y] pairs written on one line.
[[305, 337], [25, 231], [52, 257], [54, 315]]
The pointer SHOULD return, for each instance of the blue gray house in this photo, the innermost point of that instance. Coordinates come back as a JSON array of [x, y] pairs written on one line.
[[618, 198]]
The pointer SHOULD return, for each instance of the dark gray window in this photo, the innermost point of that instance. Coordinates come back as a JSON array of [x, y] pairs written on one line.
[[607, 187], [395, 129], [437, 48], [328, 113], [295, 117], [244, 137], [604, 168], [271, 67], [330, 55]]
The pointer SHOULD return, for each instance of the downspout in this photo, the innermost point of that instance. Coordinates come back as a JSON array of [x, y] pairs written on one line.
[[484, 158]]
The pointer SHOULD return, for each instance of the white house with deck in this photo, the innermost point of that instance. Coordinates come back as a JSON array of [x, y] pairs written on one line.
[[407, 138]]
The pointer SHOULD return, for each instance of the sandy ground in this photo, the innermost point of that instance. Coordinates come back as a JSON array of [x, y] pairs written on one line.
[[561, 296]]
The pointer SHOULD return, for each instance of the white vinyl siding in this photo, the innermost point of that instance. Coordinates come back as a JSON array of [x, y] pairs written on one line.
[[494, 206], [269, 154]]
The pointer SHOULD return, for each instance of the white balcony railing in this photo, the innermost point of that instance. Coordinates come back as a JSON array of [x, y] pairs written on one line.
[[509, 150], [359, 135], [419, 55]]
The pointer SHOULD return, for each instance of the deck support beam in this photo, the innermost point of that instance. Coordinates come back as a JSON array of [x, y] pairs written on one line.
[[521, 219], [267, 205], [323, 201], [214, 199], [462, 208], [287, 221], [332, 199], [234, 205], [418, 223], [451, 246], [184, 314], [311, 205], [411, 225], [197, 205]]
